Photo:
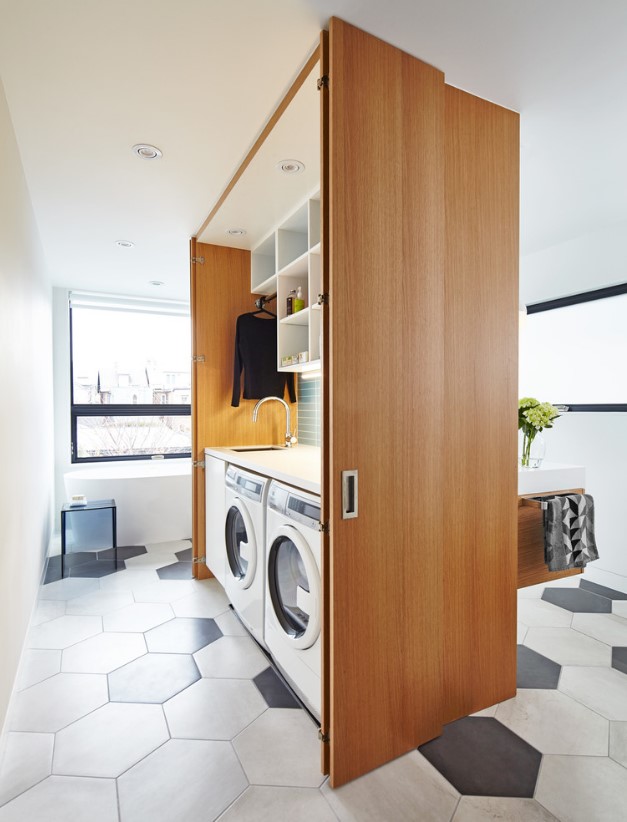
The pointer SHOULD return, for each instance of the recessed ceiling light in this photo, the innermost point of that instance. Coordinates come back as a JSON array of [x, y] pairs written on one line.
[[156, 282], [124, 243], [147, 152], [290, 166], [236, 232]]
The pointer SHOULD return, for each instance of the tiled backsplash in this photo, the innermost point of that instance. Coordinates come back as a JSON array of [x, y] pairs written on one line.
[[309, 413]]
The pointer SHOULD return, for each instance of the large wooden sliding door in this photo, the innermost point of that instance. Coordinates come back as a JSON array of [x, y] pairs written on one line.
[[385, 394]]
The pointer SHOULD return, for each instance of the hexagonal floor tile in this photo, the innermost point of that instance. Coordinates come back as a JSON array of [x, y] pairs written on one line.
[[54, 703], [206, 600], [618, 742], [153, 678], [481, 757], [537, 613], [601, 788], [619, 659], [602, 689], [281, 747], [608, 628], [182, 636], [178, 570], [229, 624], [123, 552], [64, 631], [129, 580], [163, 590], [65, 797], [187, 779], [103, 653], [214, 709], [96, 568], [37, 665], [27, 760], [68, 588], [139, 617], [185, 555], [602, 590], [555, 724], [99, 602], [265, 804], [534, 670], [492, 808], [567, 646], [110, 740], [47, 609], [236, 657], [578, 600], [274, 691], [150, 560]]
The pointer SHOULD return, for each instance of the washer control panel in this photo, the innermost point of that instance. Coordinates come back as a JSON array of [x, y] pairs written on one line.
[[294, 506], [246, 485]]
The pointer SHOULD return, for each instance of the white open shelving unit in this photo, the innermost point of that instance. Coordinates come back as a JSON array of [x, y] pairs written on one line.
[[287, 258]]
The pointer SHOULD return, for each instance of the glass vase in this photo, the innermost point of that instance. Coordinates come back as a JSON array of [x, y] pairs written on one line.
[[531, 449]]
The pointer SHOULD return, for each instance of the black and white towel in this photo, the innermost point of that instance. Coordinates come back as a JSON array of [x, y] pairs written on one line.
[[569, 532]]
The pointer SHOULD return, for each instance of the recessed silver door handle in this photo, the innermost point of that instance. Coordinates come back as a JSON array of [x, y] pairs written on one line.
[[350, 494]]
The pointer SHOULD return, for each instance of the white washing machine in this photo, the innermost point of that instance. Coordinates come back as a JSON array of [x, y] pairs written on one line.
[[294, 589], [244, 536]]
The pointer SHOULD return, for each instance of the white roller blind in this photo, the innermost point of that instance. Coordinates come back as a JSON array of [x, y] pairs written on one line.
[[144, 305]]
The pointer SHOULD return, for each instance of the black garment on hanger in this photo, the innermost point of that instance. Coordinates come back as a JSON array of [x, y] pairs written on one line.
[[256, 353]]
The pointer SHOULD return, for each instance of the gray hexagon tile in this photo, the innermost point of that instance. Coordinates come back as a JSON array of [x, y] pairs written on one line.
[[64, 631], [139, 617], [99, 602], [233, 657], [408, 788], [26, 761], [534, 670], [506, 809], [153, 678], [602, 689], [110, 740], [274, 691], [37, 665], [281, 747], [185, 779], [619, 659], [65, 798], [185, 555], [601, 788], [479, 756], [578, 600], [214, 709], [602, 590], [555, 724], [103, 653], [54, 703], [177, 570], [182, 635]]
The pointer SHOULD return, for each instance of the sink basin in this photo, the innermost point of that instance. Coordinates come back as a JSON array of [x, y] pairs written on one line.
[[259, 448]]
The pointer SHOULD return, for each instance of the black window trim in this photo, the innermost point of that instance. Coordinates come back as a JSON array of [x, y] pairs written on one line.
[[117, 410], [576, 299]]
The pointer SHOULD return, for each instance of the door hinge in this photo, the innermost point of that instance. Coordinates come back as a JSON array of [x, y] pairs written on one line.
[[323, 299], [198, 358], [323, 737], [198, 560], [200, 260], [323, 527], [198, 464], [323, 82]]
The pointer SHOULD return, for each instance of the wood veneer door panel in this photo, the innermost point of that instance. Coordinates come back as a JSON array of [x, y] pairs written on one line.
[[220, 292], [385, 400], [481, 356]]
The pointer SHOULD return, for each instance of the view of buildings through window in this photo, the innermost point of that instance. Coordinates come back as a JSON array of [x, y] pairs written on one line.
[[134, 362]]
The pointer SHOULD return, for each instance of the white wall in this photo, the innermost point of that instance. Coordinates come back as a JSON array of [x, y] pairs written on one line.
[[596, 440], [62, 396], [25, 409]]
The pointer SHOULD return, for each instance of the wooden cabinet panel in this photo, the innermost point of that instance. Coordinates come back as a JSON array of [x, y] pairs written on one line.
[[384, 401], [531, 566], [481, 352]]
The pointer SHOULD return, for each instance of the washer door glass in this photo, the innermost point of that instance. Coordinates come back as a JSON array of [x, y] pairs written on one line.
[[294, 586], [241, 549]]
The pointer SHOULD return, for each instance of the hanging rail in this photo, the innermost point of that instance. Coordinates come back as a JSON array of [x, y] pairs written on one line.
[[263, 300]]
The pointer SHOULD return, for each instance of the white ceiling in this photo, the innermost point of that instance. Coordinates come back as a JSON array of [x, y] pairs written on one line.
[[86, 79]]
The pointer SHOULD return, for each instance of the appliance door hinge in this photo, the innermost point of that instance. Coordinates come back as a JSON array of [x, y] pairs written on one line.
[[198, 464], [197, 560], [323, 737], [324, 528], [199, 260], [323, 299], [198, 358], [323, 82]]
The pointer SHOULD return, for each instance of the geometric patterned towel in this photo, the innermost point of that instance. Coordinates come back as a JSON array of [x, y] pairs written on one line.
[[569, 532]]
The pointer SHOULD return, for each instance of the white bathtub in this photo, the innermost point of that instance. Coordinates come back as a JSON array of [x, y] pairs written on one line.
[[153, 497]]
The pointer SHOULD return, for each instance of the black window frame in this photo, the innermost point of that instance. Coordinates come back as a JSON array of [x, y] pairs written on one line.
[[118, 410], [576, 299]]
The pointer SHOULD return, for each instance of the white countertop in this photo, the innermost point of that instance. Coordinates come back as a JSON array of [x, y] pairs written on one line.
[[298, 466], [551, 476]]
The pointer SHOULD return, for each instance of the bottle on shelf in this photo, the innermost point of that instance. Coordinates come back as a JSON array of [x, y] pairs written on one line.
[[298, 302], [290, 302]]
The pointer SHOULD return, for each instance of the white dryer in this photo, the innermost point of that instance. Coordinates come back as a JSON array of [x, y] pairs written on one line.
[[294, 589], [244, 536]]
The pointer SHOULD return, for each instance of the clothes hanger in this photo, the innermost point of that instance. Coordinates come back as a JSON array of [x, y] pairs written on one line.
[[261, 309]]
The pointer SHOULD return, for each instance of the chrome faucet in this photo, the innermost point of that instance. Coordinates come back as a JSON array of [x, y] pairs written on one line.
[[289, 439]]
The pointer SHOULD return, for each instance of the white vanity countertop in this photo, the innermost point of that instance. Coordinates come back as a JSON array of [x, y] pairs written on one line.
[[551, 476], [298, 466]]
